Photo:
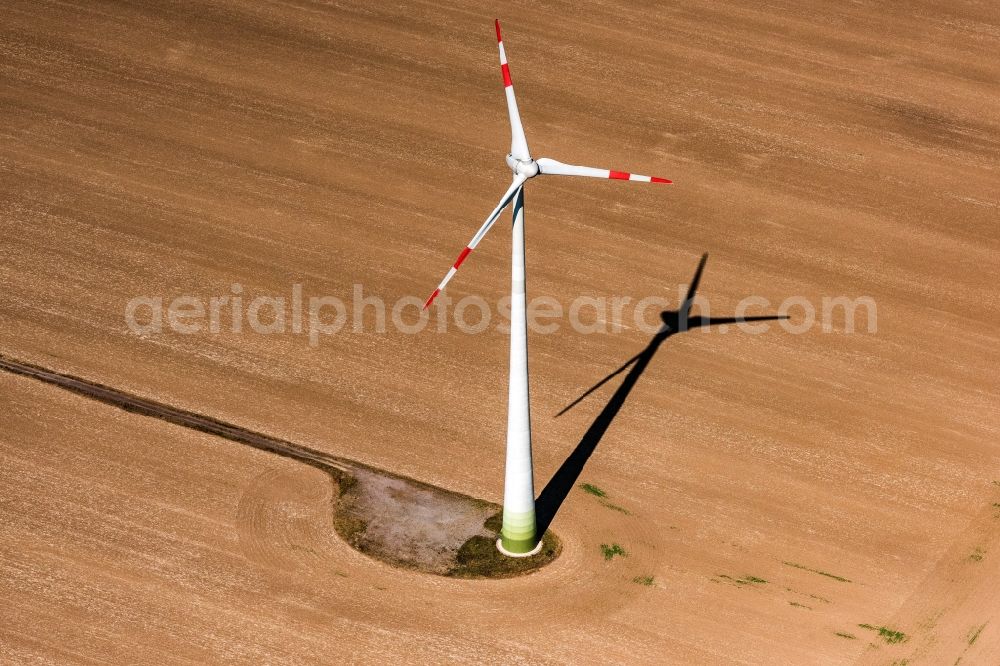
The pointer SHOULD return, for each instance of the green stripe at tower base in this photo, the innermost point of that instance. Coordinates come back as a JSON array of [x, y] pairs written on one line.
[[518, 532]]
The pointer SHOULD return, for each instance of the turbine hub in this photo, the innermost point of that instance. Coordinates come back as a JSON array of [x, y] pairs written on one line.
[[528, 168]]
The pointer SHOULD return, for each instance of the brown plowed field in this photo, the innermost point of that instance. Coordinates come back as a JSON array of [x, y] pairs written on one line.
[[819, 150]]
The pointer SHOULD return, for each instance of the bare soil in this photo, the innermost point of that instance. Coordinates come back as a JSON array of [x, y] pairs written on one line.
[[817, 149]]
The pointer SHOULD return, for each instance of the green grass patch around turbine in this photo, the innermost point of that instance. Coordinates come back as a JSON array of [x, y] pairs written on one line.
[[844, 634], [592, 489], [479, 558], [643, 580], [977, 555], [609, 552]]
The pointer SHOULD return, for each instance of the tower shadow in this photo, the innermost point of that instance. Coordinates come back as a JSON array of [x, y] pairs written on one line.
[[674, 322]]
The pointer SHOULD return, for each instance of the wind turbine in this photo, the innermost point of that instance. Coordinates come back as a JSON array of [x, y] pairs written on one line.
[[518, 536]]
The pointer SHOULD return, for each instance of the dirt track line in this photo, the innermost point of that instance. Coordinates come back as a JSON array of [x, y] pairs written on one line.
[[181, 417]]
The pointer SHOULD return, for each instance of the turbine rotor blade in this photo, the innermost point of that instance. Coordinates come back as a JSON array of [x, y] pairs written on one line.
[[552, 167], [508, 195], [518, 142]]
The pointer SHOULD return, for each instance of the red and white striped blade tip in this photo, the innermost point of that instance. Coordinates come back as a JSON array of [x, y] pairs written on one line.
[[625, 175], [497, 23], [430, 299]]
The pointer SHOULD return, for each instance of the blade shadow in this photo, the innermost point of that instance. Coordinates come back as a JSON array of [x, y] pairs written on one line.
[[674, 321], [600, 384]]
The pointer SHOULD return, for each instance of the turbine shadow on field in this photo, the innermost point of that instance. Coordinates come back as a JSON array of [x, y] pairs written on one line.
[[674, 322]]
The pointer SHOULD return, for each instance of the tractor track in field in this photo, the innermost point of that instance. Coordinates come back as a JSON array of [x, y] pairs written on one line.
[[177, 416]]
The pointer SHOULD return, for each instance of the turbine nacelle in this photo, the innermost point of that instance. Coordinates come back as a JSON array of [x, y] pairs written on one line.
[[524, 167], [527, 168]]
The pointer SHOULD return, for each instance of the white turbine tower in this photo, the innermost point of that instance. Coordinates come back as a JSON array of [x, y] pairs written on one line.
[[518, 536]]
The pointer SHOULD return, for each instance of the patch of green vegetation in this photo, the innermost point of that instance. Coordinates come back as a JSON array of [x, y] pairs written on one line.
[[974, 633], [351, 528], [345, 482], [798, 605], [615, 507], [593, 490], [816, 571], [643, 580], [977, 555], [479, 558], [494, 523], [900, 662], [746, 580], [610, 551], [890, 636], [843, 634]]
